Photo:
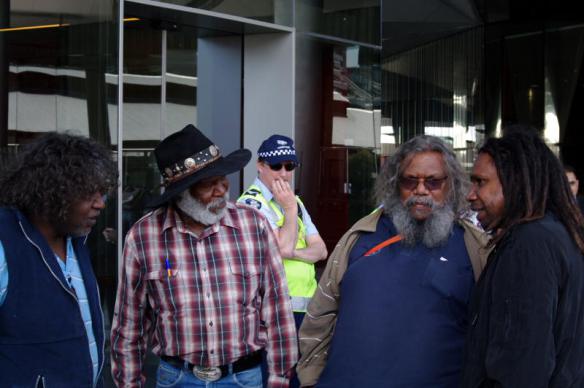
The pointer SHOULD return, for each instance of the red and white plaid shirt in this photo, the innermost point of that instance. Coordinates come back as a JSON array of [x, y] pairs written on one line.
[[224, 295]]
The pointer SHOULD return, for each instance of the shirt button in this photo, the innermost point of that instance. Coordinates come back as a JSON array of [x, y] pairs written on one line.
[[211, 323], [208, 294], [212, 352]]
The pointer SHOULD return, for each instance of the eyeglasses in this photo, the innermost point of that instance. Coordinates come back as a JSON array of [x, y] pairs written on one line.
[[278, 166], [431, 184]]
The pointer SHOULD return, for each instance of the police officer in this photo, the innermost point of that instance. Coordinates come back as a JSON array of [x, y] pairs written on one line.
[[299, 241]]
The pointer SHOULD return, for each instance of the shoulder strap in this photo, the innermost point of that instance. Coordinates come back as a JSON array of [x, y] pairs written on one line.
[[383, 244]]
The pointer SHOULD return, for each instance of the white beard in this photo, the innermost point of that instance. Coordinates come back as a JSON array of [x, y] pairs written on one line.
[[203, 214], [431, 232]]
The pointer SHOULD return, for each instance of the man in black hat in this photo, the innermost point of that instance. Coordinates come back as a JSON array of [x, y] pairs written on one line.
[[202, 280]]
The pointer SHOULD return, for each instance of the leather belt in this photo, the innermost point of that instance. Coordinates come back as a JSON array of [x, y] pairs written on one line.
[[214, 373]]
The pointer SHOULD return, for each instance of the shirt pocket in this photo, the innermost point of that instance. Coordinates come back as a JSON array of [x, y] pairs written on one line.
[[452, 282], [162, 286], [246, 278]]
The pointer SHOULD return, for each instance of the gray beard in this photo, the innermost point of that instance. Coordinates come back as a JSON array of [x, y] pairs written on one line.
[[203, 214], [432, 232]]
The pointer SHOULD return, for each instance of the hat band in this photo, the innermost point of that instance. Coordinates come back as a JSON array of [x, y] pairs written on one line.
[[190, 165], [284, 152]]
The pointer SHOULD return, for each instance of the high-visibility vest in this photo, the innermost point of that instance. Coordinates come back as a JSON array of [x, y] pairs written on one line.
[[301, 276]]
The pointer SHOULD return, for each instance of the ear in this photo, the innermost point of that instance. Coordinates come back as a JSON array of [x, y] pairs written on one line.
[[260, 166]]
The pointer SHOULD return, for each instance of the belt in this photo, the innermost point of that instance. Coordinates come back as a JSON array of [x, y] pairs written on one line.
[[214, 373]]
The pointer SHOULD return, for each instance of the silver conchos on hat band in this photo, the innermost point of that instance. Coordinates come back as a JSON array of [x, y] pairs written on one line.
[[190, 165]]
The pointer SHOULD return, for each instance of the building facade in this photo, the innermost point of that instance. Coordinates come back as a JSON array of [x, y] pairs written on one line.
[[348, 80]]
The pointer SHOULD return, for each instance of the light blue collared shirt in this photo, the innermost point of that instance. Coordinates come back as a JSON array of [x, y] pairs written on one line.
[[72, 274]]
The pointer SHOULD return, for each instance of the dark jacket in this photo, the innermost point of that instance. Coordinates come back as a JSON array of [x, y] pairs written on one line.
[[527, 312], [580, 201], [42, 335]]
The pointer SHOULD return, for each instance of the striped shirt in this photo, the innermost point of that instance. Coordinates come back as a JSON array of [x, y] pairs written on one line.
[[208, 299]]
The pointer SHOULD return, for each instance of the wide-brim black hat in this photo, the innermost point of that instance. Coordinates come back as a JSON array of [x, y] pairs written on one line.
[[186, 157]]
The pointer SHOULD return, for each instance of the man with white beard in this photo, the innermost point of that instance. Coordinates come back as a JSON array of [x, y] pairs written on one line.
[[391, 305], [202, 280]]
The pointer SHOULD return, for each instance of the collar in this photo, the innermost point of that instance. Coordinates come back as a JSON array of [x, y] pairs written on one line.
[[266, 193]]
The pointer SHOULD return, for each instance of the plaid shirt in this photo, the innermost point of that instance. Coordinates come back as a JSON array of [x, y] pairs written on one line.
[[224, 295]]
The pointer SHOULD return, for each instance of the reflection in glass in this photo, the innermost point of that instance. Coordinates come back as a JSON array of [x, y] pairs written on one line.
[[59, 65], [356, 117], [436, 89], [270, 11], [351, 132], [358, 21]]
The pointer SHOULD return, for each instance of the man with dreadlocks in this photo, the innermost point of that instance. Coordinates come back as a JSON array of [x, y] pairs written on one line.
[[390, 308], [527, 312], [51, 330]]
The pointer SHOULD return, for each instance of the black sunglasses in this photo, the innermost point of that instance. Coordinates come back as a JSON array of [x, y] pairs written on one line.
[[431, 184], [278, 166]]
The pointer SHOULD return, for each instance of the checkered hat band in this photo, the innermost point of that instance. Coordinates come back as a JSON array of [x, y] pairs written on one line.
[[276, 153]]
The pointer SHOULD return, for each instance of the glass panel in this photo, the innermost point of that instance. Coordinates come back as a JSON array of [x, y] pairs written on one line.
[[410, 24], [564, 75], [143, 125], [351, 120], [435, 89], [352, 20], [523, 71], [271, 11], [59, 65]]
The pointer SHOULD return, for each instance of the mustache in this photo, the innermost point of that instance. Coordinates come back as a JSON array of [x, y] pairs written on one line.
[[218, 202], [417, 200]]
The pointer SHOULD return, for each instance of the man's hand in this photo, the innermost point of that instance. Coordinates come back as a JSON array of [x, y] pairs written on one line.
[[284, 195]]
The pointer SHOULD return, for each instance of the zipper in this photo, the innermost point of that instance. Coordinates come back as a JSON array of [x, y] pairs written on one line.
[[40, 378], [75, 297], [100, 367], [47, 264]]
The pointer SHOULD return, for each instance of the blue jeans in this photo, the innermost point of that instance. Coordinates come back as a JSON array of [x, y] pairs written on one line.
[[169, 376]]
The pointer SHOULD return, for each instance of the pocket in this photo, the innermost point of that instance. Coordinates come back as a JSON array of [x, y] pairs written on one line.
[[162, 287], [245, 278], [251, 378], [241, 267], [453, 283], [167, 375], [449, 279], [161, 274]]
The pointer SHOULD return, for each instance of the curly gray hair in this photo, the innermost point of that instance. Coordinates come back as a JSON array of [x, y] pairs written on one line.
[[386, 185]]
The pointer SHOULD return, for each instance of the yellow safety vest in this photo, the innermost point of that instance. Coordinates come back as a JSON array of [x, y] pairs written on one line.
[[301, 276]]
